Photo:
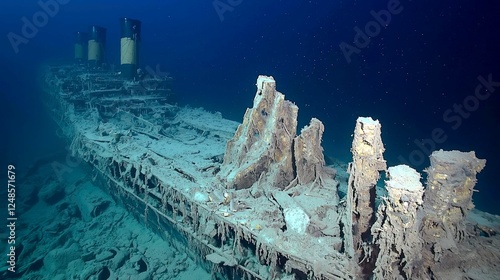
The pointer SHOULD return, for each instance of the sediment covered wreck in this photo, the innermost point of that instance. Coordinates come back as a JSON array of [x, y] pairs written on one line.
[[256, 200]]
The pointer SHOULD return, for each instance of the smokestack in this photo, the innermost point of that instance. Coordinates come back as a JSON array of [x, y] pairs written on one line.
[[129, 46], [96, 45], [80, 46]]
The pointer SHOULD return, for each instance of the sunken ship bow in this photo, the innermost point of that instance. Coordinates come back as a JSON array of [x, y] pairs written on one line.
[[256, 200]]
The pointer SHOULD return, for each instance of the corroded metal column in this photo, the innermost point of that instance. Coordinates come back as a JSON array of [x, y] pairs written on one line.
[[448, 199], [367, 151], [262, 145], [396, 231]]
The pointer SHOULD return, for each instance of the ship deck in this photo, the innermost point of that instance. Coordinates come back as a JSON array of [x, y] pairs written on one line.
[[162, 160]]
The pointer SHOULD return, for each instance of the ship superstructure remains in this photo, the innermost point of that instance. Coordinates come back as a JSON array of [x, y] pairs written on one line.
[[256, 200]]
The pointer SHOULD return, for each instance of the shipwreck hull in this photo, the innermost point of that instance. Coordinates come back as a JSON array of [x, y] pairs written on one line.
[[255, 200], [173, 192]]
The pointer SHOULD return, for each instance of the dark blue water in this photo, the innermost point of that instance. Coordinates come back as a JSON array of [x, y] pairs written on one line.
[[414, 71]]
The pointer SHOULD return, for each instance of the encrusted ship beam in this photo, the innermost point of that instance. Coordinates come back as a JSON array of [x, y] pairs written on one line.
[[448, 198], [364, 172], [308, 154], [263, 142], [397, 240]]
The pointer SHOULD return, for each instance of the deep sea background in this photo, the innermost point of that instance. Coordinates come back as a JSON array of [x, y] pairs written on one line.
[[425, 60]]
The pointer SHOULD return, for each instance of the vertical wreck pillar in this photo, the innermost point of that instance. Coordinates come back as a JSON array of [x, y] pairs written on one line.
[[367, 149], [448, 198], [309, 159], [395, 232], [261, 149]]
